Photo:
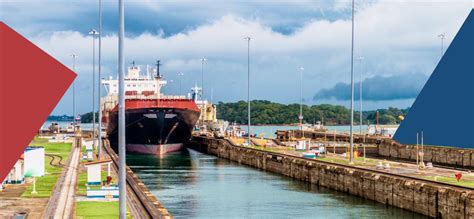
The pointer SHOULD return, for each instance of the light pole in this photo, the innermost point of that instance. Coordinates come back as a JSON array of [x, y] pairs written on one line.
[[300, 116], [360, 102], [99, 144], [180, 75], [360, 58], [351, 151], [94, 33], [248, 38], [442, 37], [121, 116], [203, 60], [74, 56]]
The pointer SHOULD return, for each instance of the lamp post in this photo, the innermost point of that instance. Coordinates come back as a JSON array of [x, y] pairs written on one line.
[[94, 33], [99, 144], [360, 58], [203, 60], [351, 151], [121, 116], [180, 75], [300, 116], [442, 36], [74, 56], [248, 38]]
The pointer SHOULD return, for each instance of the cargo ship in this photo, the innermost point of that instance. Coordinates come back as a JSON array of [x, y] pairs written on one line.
[[155, 123]]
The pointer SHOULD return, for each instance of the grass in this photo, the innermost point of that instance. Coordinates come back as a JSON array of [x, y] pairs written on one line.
[[450, 180], [269, 149], [467, 181], [359, 161], [45, 184], [95, 209]]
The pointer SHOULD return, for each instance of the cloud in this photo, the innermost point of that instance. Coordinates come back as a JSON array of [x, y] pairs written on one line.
[[378, 88], [395, 38], [169, 17]]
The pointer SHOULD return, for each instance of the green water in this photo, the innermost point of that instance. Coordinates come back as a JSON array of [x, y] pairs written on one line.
[[195, 185]]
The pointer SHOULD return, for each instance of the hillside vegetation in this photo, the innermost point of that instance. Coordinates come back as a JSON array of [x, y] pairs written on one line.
[[266, 112]]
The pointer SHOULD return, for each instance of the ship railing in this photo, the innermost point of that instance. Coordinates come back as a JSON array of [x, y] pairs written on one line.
[[110, 101], [154, 96]]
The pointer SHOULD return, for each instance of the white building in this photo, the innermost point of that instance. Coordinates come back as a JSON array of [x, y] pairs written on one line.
[[94, 178], [94, 171], [16, 174], [34, 161], [30, 164]]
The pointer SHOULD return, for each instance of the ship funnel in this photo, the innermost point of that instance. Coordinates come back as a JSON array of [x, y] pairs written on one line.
[[158, 74]]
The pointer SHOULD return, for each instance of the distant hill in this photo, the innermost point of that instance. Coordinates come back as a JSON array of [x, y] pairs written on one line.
[[60, 118], [266, 112], [85, 118]]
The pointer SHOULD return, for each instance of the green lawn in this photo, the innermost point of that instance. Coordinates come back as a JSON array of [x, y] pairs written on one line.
[[45, 184], [91, 209], [450, 180], [359, 161]]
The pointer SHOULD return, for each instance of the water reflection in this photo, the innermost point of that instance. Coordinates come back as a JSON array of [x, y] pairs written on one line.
[[194, 185]]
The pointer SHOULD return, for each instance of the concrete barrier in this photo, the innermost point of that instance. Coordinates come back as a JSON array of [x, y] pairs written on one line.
[[446, 156], [428, 198]]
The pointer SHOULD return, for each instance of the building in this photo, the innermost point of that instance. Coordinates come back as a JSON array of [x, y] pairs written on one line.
[[16, 174], [34, 161], [95, 188], [30, 164]]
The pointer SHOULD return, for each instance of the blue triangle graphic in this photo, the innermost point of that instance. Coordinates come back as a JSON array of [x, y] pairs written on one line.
[[444, 109]]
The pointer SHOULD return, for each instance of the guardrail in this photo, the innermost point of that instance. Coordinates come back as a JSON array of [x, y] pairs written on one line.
[[341, 165], [150, 204]]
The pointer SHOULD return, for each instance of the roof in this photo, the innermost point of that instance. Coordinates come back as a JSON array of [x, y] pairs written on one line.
[[29, 148], [98, 162]]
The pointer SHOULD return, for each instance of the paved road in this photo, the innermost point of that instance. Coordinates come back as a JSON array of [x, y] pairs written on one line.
[[63, 198]]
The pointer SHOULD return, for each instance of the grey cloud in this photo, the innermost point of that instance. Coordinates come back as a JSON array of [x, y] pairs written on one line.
[[169, 18], [378, 88]]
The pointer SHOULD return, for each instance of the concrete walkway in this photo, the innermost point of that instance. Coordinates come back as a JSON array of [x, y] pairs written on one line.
[[65, 206], [61, 203]]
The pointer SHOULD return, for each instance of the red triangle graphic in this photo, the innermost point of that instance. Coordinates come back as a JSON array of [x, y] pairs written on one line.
[[31, 84]]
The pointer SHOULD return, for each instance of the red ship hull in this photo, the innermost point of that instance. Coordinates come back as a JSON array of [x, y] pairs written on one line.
[[155, 126]]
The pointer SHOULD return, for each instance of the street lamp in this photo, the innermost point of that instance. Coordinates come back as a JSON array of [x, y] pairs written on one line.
[[360, 58], [442, 36], [180, 75], [351, 151], [248, 38], [203, 60], [360, 100], [99, 145], [121, 116], [74, 56], [300, 116], [94, 33]]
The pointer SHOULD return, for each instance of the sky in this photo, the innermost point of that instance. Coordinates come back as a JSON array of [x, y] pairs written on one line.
[[397, 39]]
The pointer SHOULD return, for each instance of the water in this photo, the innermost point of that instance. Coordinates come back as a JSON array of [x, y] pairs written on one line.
[[264, 130], [269, 130], [195, 185], [64, 125]]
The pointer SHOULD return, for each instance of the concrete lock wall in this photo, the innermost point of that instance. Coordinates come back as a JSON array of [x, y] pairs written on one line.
[[431, 199], [449, 156]]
